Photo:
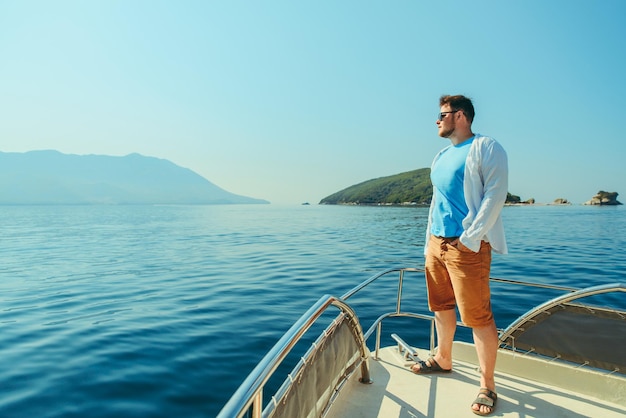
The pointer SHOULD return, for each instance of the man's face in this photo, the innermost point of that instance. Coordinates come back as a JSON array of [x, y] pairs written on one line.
[[447, 123]]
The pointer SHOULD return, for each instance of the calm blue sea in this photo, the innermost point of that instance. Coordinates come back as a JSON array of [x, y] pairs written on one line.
[[160, 311]]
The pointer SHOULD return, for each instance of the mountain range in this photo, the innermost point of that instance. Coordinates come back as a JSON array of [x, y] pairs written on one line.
[[51, 177]]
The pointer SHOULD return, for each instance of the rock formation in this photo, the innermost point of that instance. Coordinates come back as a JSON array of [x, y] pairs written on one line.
[[603, 198], [561, 201]]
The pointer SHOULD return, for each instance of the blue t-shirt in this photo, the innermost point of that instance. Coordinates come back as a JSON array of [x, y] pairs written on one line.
[[447, 177]]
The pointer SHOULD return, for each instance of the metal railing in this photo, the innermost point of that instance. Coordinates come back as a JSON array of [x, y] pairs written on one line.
[[563, 299], [249, 396], [248, 399]]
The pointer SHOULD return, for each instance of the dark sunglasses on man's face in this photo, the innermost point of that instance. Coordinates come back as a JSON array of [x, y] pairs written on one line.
[[443, 115]]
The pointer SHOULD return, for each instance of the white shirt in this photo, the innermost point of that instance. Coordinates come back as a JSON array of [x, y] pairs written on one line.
[[485, 186]]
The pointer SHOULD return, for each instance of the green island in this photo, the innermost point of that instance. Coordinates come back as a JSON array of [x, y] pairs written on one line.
[[413, 188], [410, 188]]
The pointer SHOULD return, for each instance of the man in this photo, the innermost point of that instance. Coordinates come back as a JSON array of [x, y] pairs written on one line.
[[470, 184]]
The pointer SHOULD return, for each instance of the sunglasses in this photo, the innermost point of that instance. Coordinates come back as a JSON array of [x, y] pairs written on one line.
[[443, 115]]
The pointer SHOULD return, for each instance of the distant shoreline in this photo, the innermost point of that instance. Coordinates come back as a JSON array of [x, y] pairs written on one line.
[[426, 205]]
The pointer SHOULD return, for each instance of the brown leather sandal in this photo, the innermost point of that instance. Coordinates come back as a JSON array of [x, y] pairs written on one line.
[[489, 401], [429, 366]]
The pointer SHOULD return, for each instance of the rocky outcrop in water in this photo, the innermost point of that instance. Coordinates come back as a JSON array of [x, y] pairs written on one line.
[[561, 201], [603, 198]]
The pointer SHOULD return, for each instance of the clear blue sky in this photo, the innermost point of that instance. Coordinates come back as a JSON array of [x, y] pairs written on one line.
[[291, 101]]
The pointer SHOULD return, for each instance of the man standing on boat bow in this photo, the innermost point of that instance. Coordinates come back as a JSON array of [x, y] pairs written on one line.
[[470, 184]]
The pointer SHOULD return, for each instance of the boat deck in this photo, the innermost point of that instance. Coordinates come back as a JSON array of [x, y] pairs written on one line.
[[397, 392]]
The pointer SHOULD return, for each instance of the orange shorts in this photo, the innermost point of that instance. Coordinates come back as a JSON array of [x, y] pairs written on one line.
[[459, 277]]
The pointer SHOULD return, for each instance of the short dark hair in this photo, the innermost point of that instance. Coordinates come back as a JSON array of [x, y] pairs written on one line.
[[459, 102]]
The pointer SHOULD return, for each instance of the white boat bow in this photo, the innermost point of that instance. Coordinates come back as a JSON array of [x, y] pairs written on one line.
[[563, 358]]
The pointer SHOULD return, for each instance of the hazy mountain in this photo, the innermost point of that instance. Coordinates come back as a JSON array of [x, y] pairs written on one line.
[[50, 177]]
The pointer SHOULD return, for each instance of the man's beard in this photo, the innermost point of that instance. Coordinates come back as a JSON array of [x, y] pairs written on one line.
[[445, 133]]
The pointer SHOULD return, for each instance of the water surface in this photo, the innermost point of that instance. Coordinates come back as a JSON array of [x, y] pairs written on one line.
[[160, 311]]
